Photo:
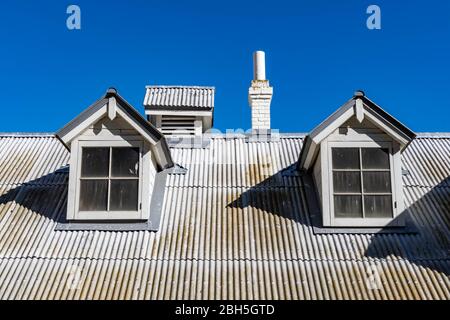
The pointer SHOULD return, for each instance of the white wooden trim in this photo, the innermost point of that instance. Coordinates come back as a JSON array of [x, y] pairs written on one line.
[[136, 126], [386, 129], [105, 110], [359, 110], [310, 155], [72, 187], [147, 186], [112, 106], [325, 165], [145, 161], [334, 125], [84, 125]]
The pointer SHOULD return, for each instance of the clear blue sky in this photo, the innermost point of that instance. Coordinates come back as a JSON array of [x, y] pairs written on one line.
[[318, 53]]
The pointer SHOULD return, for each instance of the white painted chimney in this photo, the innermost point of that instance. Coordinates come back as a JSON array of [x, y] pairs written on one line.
[[260, 94]]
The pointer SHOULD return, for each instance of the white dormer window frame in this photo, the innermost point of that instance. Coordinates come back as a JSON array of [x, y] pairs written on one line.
[[330, 217], [74, 211]]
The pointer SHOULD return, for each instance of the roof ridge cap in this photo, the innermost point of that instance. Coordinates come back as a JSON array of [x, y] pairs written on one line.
[[179, 87]]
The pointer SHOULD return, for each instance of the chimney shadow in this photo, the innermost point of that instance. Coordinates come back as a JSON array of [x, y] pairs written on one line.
[[281, 194]]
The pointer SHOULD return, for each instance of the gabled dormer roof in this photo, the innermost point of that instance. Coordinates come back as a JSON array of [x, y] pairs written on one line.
[[112, 105], [361, 107]]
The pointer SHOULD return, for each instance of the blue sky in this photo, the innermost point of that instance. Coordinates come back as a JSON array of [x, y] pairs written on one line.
[[318, 53]]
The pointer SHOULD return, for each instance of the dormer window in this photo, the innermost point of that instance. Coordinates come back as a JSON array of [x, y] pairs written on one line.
[[355, 159], [115, 158]]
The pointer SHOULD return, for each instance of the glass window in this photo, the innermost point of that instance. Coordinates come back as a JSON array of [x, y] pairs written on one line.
[[375, 158], [378, 206], [124, 195], [94, 162], [348, 206], [377, 182], [125, 162], [93, 195], [347, 182], [109, 179], [345, 158], [362, 183]]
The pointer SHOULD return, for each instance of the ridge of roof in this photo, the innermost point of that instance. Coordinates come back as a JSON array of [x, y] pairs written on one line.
[[420, 135], [180, 87]]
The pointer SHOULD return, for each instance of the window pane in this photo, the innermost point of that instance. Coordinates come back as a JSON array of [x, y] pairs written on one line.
[[347, 207], [378, 206], [124, 195], [347, 181], [345, 158], [375, 158], [125, 162], [93, 195], [377, 182], [95, 162]]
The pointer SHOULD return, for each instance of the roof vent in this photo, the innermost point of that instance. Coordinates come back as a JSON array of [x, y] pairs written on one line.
[[180, 110]]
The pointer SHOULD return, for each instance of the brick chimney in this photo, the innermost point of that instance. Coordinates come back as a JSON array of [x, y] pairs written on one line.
[[260, 94]]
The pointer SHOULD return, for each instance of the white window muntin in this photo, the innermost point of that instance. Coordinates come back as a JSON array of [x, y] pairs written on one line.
[[361, 222], [108, 215]]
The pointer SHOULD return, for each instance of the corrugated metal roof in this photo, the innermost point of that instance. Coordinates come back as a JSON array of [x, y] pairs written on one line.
[[233, 227], [179, 97]]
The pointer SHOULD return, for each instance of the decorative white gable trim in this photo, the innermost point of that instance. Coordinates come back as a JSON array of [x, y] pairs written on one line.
[[361, 108], [111, 106]]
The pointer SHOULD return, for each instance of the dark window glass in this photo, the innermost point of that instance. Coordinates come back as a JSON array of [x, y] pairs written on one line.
[[378, 206], [348, 206], [375, 158], [347, 181], [95, 162], [125, 162], [124, 195], [93, 195], [377, 181], [345, 158]]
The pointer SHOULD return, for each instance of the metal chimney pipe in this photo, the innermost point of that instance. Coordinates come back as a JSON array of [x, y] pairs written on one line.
[[259, 65]]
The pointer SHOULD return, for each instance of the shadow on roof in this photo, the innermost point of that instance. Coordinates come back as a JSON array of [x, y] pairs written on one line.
[[430, 246], [46, 196], [280, 194]]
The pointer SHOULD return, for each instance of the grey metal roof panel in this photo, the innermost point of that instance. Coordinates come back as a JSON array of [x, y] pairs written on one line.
[[179, 98], [232, 227]]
